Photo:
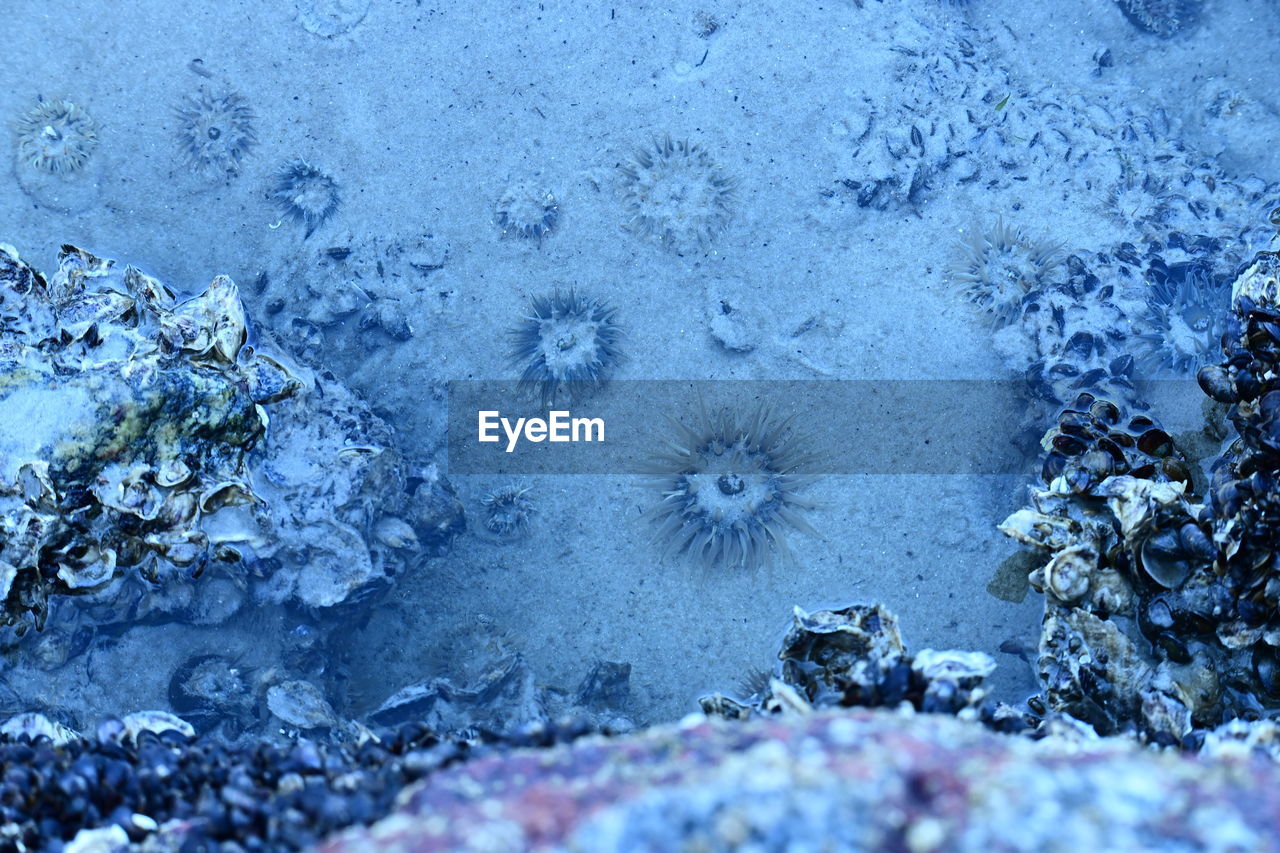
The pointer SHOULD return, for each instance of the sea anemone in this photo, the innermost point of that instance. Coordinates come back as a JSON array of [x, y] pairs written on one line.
[[215, 131], [1139, 199], [528, 210], [306, 194], [731, 488], [1187, 311], [567, 346], [1001, 266], [1164, 18], [508, 510], [329, 18], [56, 137], [677, 195]]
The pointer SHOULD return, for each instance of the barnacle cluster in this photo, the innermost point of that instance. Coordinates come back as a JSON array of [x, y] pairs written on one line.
[[731, 485], [56, 137], [215, 131], [305, 194], [567, 346], [677, 195], [1001, 265], [528, 210]]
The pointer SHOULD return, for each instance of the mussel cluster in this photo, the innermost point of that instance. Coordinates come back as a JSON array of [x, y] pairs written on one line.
[[1092, 442], [1069, 339], [1162, 614], [1244, 495]]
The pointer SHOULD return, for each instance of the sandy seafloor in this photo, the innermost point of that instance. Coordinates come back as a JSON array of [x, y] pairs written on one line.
[[426, 111]]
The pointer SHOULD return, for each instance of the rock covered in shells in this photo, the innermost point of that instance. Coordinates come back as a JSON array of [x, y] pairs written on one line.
[[856, 657], [1161, 612], [172, 469], [1069, 338], [1244, 497], [126, 463]]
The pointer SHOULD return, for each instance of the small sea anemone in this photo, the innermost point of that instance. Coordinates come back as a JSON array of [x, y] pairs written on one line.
[[1001, 266], [56, 137], [1164, 18], [329, 18], [677, 195], [508, 510], [1187, 312], [215, 131], [567, 346], [1138, 200], [730, 489], [528, 210], [306, 194]]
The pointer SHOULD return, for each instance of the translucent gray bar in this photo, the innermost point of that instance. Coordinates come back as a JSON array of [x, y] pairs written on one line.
[[847, 426]]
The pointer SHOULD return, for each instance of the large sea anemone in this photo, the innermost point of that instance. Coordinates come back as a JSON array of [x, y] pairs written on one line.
[[676, 195], [731, 487], [56, 137], [215, 131], [567, 346], [1187, 311], [305, 194], [1000, 266]]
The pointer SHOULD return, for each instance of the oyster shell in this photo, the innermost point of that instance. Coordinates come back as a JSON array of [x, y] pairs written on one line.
[[301, 704]]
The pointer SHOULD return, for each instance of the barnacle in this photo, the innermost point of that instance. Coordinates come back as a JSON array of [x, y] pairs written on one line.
[[730, 486], [508, 510], [215, 131], [527, 209], [1001, 266], [567, 345], [676, 194], [306, 194], [1187, 312], [56, 137], [1139, 199]]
